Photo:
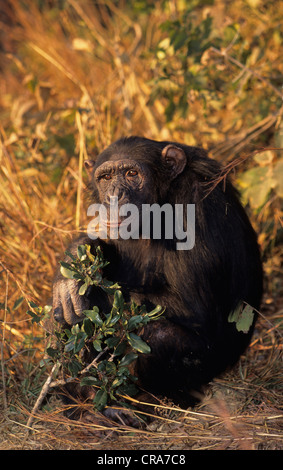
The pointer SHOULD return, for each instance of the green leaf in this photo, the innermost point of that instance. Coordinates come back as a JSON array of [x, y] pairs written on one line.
[[17, 303], [123, 370], [101, 366], [120, 349], [89, 381], [112, 321], [118, 300], [35, 318], [128, 359], [94, 316], [67, 333], [134, 322], [180, 39], [242, 317], [68, 253], [81, 250], [83, 288], [97, 345], [80, 342], [112, 342], [52, 352], [153, 315], [69, 346], [90, 256], [33, 305], [69, 274], [108, 287], [157, 311], [88, 327], [109, 331], [74, 368], [138, 344], [75, 329], [116, 382], [100, 400], [110, 368]]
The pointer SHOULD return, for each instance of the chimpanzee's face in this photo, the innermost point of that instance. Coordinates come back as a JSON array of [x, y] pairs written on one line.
[[134, 177], [123, 182]]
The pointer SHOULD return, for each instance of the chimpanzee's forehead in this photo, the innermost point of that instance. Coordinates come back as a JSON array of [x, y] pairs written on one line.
[[138, 149], [117, 156], [111, 156]]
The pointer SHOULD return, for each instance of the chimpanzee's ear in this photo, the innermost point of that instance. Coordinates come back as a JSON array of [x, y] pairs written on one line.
[[89, 164], [175, 158]]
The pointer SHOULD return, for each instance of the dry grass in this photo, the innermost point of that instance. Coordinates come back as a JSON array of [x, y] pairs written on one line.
[[54, 87], [240, 411]]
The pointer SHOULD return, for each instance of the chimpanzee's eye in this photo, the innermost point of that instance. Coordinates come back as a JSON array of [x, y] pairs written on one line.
[[106, 177], [131, 173]]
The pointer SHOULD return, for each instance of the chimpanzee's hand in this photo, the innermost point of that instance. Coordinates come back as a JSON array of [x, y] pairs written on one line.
[[68, 304]]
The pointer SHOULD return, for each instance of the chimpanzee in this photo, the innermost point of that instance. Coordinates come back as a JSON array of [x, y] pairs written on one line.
[[199, 287]]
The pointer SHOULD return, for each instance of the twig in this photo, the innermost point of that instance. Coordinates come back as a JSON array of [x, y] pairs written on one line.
[[49, 383], [42, 394], [94, 362]]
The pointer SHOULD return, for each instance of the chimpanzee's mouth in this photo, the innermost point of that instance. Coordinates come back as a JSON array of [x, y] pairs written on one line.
[[120, 222]]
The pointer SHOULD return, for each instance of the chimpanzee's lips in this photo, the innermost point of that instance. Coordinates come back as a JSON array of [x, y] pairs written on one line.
[[122, 221], [111, 224]]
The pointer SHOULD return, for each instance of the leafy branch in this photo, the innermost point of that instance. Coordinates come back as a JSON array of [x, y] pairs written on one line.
[[87, 268], [99, 349]]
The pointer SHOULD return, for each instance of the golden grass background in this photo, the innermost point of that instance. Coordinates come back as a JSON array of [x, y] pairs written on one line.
[[72, 80]]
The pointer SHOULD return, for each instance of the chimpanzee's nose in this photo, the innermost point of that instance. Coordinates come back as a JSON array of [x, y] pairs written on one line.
[[117, 192]]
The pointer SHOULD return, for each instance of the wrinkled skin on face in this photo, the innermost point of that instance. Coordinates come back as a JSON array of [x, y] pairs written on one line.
[[126, 180]]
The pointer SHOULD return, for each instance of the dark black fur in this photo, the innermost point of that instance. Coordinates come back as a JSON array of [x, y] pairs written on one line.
[[194, 341]]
